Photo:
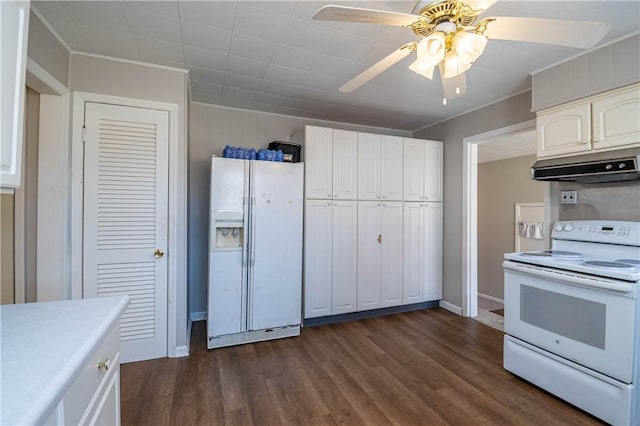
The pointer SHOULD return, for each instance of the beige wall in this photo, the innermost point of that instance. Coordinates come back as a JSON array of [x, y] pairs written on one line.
[[211, 128], [510, 111], [501, 184], [110, 77], [609, 201], [47, 51], [6, 249]]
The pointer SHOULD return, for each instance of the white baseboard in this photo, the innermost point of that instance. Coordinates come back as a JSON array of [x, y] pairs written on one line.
[[182, 351], [198, 316], [451, 307], [493, 299]]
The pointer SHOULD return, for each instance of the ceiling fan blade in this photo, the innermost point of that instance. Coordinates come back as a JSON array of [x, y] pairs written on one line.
[[374, 70], [480, 4], [558, 32], [368, 16]]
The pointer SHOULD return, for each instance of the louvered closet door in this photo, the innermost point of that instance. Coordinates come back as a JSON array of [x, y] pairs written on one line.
[[125, 220]]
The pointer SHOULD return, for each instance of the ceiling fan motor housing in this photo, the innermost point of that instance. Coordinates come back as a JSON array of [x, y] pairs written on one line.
[[437, 12]]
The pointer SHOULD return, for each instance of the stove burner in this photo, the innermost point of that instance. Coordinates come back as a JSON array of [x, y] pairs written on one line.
[[555, 254], [634, 262], [611, 265]]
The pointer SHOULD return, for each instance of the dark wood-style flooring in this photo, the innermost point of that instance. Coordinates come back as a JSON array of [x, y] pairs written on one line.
[[423, 367]]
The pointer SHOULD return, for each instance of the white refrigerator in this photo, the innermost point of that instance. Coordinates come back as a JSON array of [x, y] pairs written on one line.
[[255, 251]]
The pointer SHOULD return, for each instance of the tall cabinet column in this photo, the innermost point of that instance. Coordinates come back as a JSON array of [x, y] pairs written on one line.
[[373, 221]]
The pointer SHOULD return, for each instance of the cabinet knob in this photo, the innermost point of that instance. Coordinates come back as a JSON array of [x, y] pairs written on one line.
[[384, 196], [583, 142], [158, 253], [379, 239], [596, 140], [103, 364]]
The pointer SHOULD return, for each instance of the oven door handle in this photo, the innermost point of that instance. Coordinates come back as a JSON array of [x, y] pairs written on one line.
[[570, 278]]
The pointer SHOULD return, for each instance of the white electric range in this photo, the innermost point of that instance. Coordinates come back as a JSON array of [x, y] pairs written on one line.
[[572, 317]]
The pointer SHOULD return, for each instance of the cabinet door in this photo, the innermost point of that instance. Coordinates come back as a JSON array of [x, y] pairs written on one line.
[[413, 165], [318, 170], [345, 165], [344, 257], [369, 166], [391, 254], [108, 404], [432, 251], [615, 120], [318, 218], [413, 253], [14, 25], [433, 170], [392, 147], [369, 243], [564, 131]]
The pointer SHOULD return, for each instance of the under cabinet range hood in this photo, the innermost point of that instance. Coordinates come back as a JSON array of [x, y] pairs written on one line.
[[612, 166]]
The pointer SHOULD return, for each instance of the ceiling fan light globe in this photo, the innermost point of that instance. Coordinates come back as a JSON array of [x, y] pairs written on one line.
[[425, 70], [453, 65], [431, 49], [469, 46]]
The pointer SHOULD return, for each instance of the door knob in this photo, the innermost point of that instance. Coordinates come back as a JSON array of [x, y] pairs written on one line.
[[158, 253]]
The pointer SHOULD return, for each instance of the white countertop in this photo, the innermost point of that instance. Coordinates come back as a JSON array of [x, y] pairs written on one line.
[[43, 348]]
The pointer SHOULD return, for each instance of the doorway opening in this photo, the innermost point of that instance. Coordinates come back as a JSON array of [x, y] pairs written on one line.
[[491, 160]]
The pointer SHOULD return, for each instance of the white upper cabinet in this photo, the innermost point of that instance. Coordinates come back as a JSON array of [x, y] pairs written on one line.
[[564, 132], [422, 170], [14, 25], [369, 166], [616, 119], [318, 178], [600, 123], [379, 167], [332, 169], [392, 147], [345, 165]]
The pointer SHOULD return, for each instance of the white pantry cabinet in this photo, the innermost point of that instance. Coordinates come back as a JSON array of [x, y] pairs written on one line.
[[422, 169], [599, 123], [379, 167], [379, 254], [332, 172], [422, 266], [360, 235], [330, 264], [14, 29]]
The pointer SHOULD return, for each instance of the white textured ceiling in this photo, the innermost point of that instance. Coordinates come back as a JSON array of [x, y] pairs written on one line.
[[516, 144], [271, 56]]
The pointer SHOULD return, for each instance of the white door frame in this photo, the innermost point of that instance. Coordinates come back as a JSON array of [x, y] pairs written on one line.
[[77, 161], [470, 213]]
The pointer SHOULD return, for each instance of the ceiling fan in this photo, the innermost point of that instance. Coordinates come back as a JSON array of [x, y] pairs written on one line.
[[452, 37]]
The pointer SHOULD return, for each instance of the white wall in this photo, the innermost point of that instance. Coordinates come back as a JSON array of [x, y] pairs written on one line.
[[501, 184], [211, 128]]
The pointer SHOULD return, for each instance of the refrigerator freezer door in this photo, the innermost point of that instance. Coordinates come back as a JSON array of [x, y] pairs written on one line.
[[227, 265], [275, 278]]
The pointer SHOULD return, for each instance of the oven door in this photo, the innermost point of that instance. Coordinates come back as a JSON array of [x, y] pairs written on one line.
[[587, 320]]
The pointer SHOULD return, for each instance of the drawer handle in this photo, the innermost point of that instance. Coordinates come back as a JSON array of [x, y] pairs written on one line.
[[103, 364]]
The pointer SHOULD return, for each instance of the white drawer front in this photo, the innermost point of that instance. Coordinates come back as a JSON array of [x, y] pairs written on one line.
[[78, 400]]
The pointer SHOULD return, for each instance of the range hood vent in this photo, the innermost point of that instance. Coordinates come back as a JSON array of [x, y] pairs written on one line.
[[611, 166]]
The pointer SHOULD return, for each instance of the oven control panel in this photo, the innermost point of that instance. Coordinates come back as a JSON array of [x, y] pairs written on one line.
[[614, 232]]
